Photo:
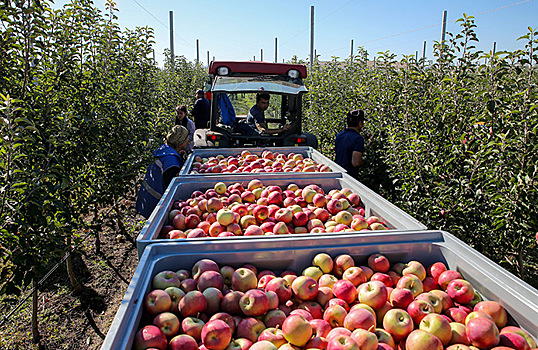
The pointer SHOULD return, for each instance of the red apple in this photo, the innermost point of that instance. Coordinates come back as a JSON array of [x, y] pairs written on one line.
[[305, 288], [157, 301], [192, 326], [444, 278], [335, 315], [401, 298], [482, 332], [150, 337], [254, 303], [461, 291], [281, 287], [495, 310], [365, 340], [398, 323], [165, 279], [274, 318], [373, 293], [422, 340], [183, 342], [244, 279], [360, 318], [297, 330], [418, 309], [216, 335], [250, 328], [192, 303], [342, 342], [437, 325]]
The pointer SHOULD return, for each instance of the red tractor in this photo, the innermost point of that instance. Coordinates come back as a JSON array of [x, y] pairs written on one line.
[[233, 89]]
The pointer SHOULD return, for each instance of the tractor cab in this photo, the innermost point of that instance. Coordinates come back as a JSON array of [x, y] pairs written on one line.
[[233, 87]]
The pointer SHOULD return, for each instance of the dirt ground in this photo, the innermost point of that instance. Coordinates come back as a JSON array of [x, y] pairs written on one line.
[[68, 320]]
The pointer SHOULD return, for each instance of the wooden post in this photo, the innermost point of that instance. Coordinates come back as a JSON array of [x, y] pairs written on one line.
[[208, 58], [424, 51], [444, 28], [261, 55], [351, 53]]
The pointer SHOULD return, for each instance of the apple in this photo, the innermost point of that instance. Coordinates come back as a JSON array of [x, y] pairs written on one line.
[[202, 266], [192, 326], [322, 214], [297, 330], [188, 285], [482, 333], [495, 310], [446, 301], [239, 344], [274, 318], [165, 279], [460, 290], [192, 303], [179, 222], [281, 228], [227, 272], [216, 228], [373, 293], [327, 280], [401, 298], [384, 278], [342, 342], [214, 298], [422, 340], [341, 264], [359, 318], [415, 268], [263, 345], [445, 277], [273, 335], [367, 271], [150, 337], [334, 206], [513, 341], [314, 272], [281, 287], [312, 307], [250, 328], [475, 314], [225, 217], [398, 323], [298, 219], [521, 332], [324, 295], [168, 323], [337, 301], [429, 284], [411, 282], [384, 337], [175, 295], [436, 269], [157, 301], [359, 224], [335, 315], [458, 334], [456, 314], [305, 288], [434, 301], [176, 234], [418, 309], [345, 290], [355, 275], [366, 340], [317, 343], [437, 325], [183, 342], [220, 187], [216, 335], [320, 327], [244, 279], [344, 217], [253, 184], [260, 212], [230, 302], [254, 303], [210, 279]]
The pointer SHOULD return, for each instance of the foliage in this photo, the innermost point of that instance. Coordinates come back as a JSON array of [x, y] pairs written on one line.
[[82, 107], [452, 141]]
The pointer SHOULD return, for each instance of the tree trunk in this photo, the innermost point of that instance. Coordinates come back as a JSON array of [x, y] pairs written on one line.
[[69, 262], [35, 328]]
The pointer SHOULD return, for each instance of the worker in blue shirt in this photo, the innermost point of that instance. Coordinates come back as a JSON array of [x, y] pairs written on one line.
[[349, 144]]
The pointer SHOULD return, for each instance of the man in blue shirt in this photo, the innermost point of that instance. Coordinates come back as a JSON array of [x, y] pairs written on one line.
[[349, 144], [256, 116], [200, 111]]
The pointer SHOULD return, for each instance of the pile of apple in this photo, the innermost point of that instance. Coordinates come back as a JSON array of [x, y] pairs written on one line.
[[258, 210], [246, 162], [333, 305]]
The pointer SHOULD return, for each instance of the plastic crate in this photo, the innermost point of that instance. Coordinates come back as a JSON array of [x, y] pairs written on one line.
[[490, 280], [183, 187], [305, 151]]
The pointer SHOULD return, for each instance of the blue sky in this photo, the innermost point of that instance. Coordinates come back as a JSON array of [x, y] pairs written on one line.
[[240, 29]]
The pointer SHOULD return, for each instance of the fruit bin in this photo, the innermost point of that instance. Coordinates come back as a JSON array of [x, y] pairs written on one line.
[[493, 283], [304, 151], [183, 187]]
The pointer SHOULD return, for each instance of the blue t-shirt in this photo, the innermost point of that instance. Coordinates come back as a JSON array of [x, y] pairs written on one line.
[[255, 117], [345, 144]]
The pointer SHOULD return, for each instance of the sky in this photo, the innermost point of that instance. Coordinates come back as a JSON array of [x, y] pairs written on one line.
[[242, 29]]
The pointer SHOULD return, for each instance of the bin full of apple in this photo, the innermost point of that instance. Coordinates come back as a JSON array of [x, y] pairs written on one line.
[[332, 304], [256, 209], [267, 162]]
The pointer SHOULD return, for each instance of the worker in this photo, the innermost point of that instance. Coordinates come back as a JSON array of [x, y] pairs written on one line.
[[167, 164], [200, 111], [256, 116], [349, 144], [183, 120]]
